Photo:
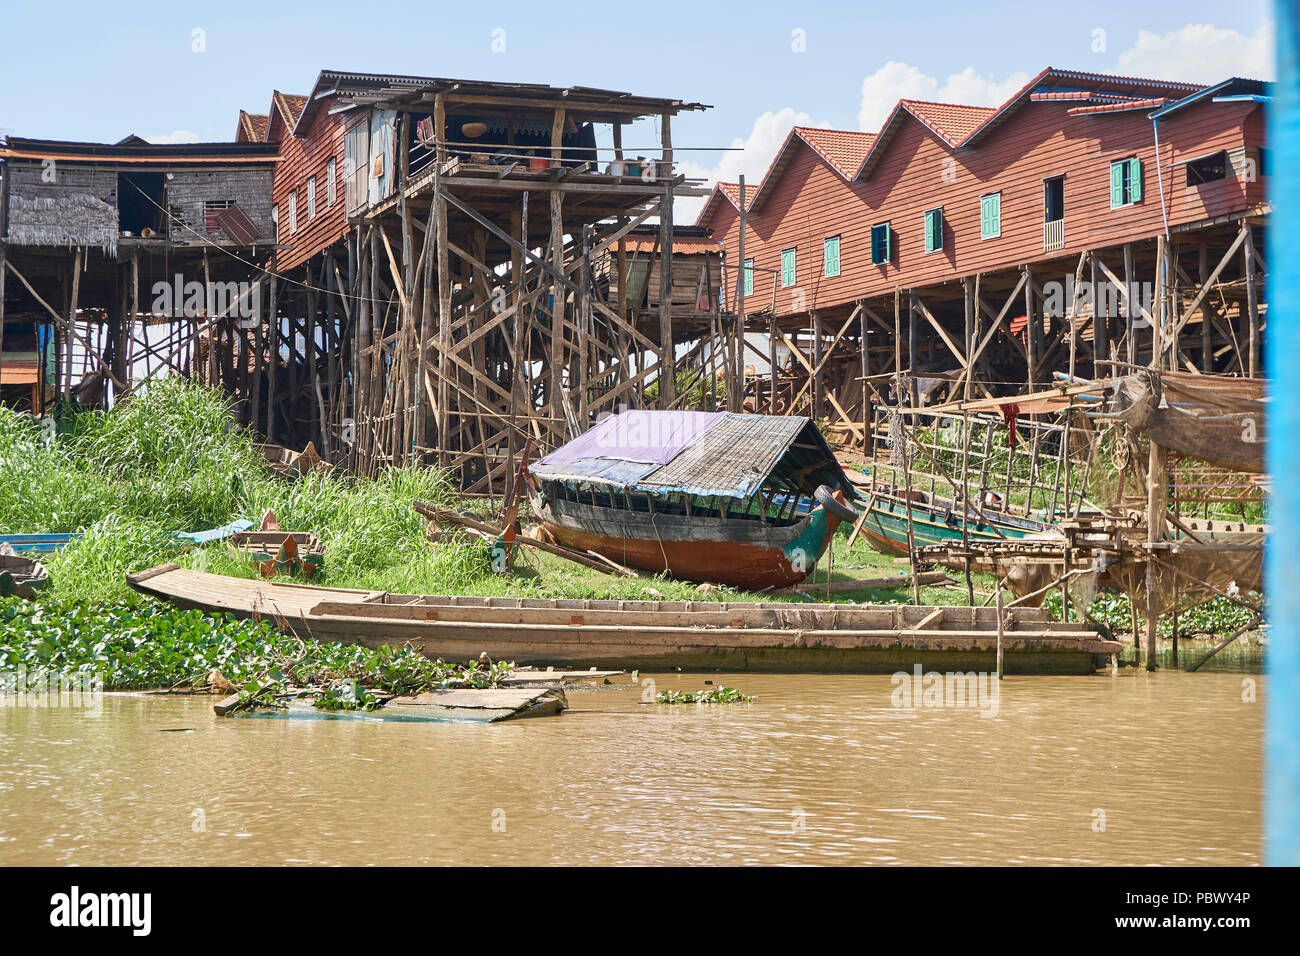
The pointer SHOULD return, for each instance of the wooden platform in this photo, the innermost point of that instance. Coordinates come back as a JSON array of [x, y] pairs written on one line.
[[648, 634], [488, 705]]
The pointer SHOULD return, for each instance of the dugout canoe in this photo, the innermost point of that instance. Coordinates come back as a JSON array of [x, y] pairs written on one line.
[[692, 635], [21, 575]]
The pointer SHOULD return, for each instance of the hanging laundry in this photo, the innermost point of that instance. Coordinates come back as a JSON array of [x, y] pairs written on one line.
[[1009, 414]]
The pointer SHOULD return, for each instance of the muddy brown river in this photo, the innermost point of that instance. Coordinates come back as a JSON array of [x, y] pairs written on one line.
[[1123, 768]]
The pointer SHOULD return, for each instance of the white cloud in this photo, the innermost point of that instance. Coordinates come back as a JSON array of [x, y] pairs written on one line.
[[895, 81], [175, 136], [1201, 53], [750, 155]]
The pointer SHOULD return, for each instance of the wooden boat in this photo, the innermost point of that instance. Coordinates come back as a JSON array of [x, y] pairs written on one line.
[[49, 543], [288, 463], [295, 553], [938, 521], [39, 543], [21, 575], [749, 501], [626, 634]]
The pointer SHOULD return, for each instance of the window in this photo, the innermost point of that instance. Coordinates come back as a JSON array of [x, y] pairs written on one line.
[[1125, 182], [831, 256], [787, 268], [881, 247], [331, 182], [293, 212], [749, 277], [1054, 199], [275, 221], [1207, 169], [356, 166], [311, 197], [934, 229], [991, 216]]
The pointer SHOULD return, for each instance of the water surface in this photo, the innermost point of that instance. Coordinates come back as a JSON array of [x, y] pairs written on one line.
[[1125, 768]]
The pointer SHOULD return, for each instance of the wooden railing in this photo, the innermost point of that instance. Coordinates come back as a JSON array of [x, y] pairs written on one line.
[[1054, 235]]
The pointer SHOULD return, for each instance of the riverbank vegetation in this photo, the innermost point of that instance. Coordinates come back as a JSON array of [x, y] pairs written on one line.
[[152, 645], [172, 459]]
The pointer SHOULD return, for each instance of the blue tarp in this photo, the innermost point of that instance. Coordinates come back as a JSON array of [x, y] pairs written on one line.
[[623, 449]]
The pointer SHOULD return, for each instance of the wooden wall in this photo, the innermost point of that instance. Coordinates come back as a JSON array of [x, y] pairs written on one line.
[[303, 157], [918, 171]]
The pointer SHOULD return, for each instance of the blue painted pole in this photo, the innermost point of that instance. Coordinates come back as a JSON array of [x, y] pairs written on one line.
[[1282, 554]]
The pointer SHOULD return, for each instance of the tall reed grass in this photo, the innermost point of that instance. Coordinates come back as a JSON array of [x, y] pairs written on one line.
[[174, 459]]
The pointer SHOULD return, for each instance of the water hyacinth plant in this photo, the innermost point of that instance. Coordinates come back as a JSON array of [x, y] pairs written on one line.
[[711, 695], [157, 646]]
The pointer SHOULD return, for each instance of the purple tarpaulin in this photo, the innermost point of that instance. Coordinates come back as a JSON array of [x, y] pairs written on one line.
[[649, 436]]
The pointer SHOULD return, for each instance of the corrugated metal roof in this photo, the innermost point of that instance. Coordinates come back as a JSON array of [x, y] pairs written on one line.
[[717, 454], [732, 458]]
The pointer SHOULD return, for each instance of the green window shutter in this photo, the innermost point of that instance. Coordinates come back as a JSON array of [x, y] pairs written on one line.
[[749, 277], [991, 216], [1117, 184], [934, 230], [787, 268], [889, 243], [1135, 180], [831, 256], [880, 243]]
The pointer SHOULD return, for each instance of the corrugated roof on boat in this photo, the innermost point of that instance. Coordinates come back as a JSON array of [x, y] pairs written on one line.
[[636, 435], [732, 458], [699, 453]]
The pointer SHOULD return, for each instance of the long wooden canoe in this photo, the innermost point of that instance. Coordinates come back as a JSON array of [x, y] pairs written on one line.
[[647, 634]]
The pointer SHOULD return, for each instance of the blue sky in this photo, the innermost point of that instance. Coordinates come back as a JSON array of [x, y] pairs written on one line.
[[97, 72]]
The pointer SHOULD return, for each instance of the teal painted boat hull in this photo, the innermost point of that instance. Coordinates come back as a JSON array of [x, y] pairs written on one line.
[[886, 527], [49, 543]]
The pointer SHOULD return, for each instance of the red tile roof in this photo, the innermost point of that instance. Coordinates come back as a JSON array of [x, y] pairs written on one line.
[[844, 149], [289, 105], [732, 192], [1123, 104], [681, 246], [950, 121], [728, 191], [252, 127]]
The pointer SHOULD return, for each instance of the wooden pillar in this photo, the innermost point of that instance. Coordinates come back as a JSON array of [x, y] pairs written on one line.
[[1252, 304], [272, 353], [442, 366], [1130, 316], [817, 347], [1207, 327], [968, 298], [772, 338], [911, 353], [668, 358], [1100, 322], [1032, 325], [866, 379]]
